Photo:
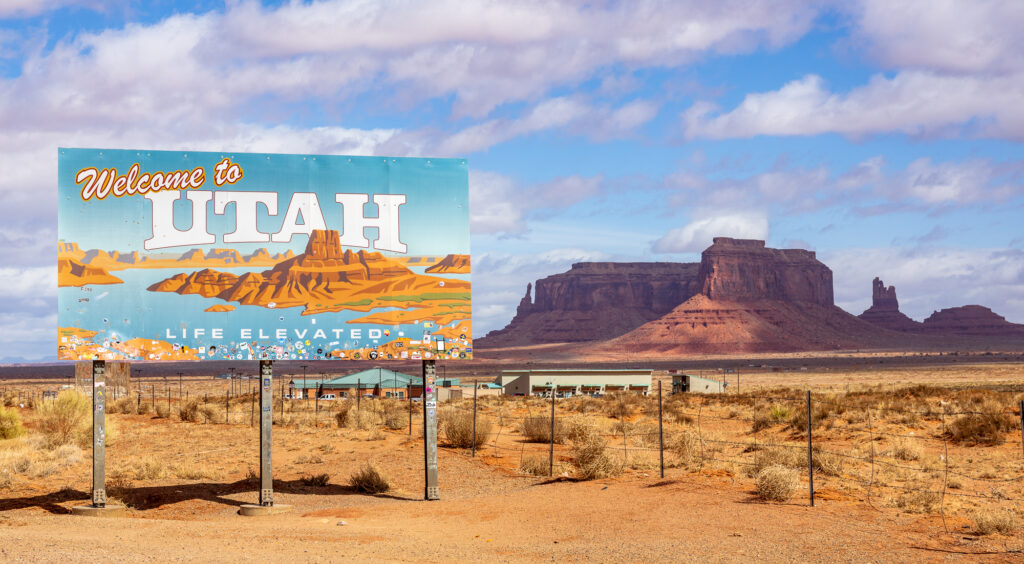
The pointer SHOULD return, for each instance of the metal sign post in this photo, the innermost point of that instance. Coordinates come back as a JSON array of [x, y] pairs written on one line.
[[430, 429], [266, 431], [99, 507], [99, 433], [266, 504]]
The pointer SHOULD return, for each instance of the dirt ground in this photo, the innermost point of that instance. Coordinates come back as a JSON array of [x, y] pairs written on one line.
[[184, 482]]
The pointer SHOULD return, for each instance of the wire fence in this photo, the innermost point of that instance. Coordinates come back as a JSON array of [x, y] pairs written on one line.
[[930, 455]]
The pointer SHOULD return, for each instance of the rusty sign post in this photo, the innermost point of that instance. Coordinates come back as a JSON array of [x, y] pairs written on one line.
[[430, 429]]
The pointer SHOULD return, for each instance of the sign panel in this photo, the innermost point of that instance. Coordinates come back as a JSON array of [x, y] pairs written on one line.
[[166, 255]]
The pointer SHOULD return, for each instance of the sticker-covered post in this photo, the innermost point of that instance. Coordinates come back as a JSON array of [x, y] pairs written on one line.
[[266, 504], [99, 433], [99, 506], [430, 429]]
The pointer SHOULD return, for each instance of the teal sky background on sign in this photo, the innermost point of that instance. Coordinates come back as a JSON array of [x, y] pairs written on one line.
[[886, 136], [434, 220]]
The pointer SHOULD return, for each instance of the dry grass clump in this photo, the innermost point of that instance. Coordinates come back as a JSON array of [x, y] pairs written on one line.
[[986, 429], [396, 417], [777, 483], [341, 417], [535, 466], [905, 449], [10, 424], [369, 479], [149, 469], [59, 419], [622, 404], [537, 429], [921, 501], [686, 446], [578, 428], [309, 459], [187, 471], [991, 521], [362, 419], [162, 411], [119, 484], [829, 464], [189, 411], [591, 460], [124, 405], [457, 427]]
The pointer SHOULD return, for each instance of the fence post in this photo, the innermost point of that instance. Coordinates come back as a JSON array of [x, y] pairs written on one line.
[[252, 407], [474, 422], [227, 407], [408, 387], [152, 392], [945, 476], [359, 394], [551, 452], [810, 449], [661, 434], [1022, 423]]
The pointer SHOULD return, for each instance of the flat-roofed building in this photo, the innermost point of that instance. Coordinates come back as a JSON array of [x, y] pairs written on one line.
[[565, 382], [378, 382], [687, 383]]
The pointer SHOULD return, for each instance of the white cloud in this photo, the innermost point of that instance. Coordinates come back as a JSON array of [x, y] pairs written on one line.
[[929, 279], [698, 234], [498, 204], [29, 336], [918, 103], [944, 35], [28, 8]]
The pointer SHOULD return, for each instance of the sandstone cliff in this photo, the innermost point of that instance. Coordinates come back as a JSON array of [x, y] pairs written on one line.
[[885, 310], [970, 320], [596, 301], [744, 269]]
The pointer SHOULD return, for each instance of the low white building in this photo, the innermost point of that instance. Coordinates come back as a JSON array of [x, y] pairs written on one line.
[[574, 381]]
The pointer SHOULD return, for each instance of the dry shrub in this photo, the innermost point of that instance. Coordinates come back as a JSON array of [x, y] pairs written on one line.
[[369, 479], [686, 446], [538, 429], [761, 421], [828, 463], [777, 483], [162, 411], [341, 417], [591, 460], [124, 405], [143, 408], [396, 420], [579, 428], [374, 434], [905, 449], [362, 419], [921, 501], [189, 411], [316, 480], [777, 455], [535, 466], [457, 427], [59, 419], [119, 484], [780, 413], [149, 469], [10, 424], [991, 521], [621, 405], [986, 429]]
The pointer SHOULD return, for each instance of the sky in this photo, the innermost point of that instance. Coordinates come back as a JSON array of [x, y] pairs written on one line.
[[886, 136]]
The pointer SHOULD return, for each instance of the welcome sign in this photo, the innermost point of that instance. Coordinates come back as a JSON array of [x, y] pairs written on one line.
[[166, 255]]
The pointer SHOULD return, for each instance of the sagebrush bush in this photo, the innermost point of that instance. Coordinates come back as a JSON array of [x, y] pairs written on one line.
[[537, 429], [457, 427], [777, 455], [591, 459], [341, 417], [396, 420], [991, 521], [316, 480], [905, 449], [922, 501], [61, 418], [686, 446], [369, 479], [10, 424], [777, 483], [189, 411], [987, 429], [535, 466]]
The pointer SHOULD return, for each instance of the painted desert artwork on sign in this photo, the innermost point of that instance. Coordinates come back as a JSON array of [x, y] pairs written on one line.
[[195, 256]]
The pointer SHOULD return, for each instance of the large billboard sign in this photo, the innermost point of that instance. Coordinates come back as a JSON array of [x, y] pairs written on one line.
[[166, 255]]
